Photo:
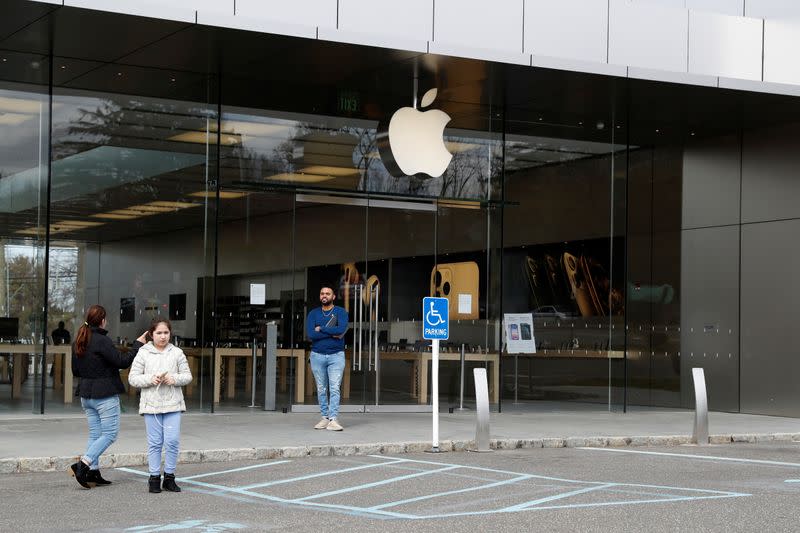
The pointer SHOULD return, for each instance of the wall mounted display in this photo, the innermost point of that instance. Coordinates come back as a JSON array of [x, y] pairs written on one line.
[[127, 309], [458, 282], [177, 306], [569, 279]]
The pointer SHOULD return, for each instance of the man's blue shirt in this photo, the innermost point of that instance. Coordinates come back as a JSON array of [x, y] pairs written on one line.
[[324, 341]]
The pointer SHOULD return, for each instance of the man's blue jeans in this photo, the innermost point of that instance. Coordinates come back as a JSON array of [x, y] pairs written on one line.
[[328, 370], [103, 417]]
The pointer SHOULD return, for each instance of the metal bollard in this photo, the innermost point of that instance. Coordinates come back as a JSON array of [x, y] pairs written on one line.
[[255, 365], [482, 409], [270, 366], [461, 394], [700, 434]]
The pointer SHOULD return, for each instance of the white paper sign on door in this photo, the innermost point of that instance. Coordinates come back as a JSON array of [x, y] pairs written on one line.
[[258, 293]]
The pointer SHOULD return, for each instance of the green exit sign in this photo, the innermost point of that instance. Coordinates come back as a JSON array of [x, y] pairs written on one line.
[[348, 102]]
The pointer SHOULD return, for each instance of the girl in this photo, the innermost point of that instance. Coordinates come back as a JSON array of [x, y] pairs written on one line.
[[160, 369]]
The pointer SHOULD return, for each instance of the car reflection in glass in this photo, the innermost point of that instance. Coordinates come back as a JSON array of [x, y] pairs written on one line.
[[554, 311]]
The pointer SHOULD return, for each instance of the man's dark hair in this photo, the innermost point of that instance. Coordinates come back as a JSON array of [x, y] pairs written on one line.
[[330, 286], [61, 324]]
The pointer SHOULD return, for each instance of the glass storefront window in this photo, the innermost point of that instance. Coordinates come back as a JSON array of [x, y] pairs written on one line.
[[24, 128]]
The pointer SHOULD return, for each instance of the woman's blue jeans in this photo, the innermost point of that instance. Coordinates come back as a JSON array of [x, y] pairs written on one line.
[[328, 370], [103, 417]]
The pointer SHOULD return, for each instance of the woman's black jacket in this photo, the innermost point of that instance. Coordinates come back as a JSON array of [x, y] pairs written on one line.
[[99, 367]]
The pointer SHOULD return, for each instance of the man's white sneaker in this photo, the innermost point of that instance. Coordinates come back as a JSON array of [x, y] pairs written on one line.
[[333, 425], [322, 424]]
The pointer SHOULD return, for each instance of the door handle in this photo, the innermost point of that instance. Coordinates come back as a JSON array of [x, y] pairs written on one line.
[[359, 321]]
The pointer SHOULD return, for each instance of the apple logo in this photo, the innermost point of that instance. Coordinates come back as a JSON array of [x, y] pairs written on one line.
[[414, 141]]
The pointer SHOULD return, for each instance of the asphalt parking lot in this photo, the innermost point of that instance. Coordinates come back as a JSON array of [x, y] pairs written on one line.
[[715, 488]]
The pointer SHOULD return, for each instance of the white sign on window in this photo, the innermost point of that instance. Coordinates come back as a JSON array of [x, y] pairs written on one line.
[[258, 293], [464, 304], [518, 330]]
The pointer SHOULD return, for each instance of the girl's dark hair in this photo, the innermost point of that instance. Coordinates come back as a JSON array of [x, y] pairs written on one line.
[[156, 321], [94, 317]]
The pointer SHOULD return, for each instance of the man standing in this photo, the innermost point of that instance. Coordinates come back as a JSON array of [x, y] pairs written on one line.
[[61, 334], [325, 327]]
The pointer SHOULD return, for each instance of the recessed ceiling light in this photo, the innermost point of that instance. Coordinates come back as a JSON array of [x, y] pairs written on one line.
[[298, 178], [692, 134], [658, 130], [172, 79], [225, 195], [202, 137], [4, 60], [119, 73], [114, 216], [329, 170], [63, 67], [455, 147], [171, 205], [62, 226]]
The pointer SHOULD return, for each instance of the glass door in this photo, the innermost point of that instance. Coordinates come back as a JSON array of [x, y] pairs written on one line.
[[330, 248], [379, 255], [401, 254]]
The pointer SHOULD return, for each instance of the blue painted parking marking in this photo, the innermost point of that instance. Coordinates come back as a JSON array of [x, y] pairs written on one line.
[[376, 483], [242, 469], [694, 456], [566, 492], [321, 474]]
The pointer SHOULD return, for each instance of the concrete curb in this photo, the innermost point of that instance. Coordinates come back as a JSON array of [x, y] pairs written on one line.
[[22, 465]]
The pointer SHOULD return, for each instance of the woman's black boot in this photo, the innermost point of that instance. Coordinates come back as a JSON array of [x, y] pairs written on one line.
[[80, 471], [96, 478], [169, 483], [155, 484]]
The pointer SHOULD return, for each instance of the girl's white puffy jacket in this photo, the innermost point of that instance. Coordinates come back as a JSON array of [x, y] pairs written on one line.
[[149, 362]]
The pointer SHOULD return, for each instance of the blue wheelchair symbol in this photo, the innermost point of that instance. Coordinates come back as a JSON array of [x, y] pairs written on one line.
[[436, 318], [433, 318]]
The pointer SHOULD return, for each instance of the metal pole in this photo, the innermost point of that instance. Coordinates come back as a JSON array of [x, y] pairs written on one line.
[[377, 354], [271, 366], [435, 394], [253, 382], [461, 393], [360, 326]]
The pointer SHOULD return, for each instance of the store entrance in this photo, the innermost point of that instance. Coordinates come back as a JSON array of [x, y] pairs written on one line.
[[378, 254]]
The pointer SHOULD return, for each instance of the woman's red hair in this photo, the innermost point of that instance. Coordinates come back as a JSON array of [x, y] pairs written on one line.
[[94, 318]]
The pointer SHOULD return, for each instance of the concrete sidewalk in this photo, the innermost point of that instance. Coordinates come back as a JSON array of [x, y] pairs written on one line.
[[42, 443]]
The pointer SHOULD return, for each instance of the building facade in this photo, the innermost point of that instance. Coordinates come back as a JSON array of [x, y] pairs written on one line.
[[623, 171]]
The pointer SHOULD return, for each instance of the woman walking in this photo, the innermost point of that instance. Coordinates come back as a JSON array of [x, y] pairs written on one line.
[[160, 369], [97, 362]]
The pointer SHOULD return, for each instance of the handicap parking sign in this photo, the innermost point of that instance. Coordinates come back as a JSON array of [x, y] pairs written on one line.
[[435, 318]]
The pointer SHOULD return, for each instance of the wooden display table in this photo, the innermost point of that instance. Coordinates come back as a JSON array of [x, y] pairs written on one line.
[[229, 355], [419, 371], [577, 353], [422, 361], [62, 359]]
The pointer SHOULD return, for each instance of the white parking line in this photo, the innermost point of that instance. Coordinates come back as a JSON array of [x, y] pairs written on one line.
[[322, 474], [376, 483], [695, 456], [236, 470]]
